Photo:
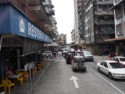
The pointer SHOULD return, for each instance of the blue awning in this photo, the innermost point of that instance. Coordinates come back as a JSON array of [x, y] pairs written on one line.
[[12, 21]]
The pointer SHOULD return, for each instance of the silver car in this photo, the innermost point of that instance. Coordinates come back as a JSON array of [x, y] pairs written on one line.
[[88, 56]]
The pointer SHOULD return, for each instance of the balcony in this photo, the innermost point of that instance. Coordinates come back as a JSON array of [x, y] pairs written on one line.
[[102, 39], [104, 12], [104, 22], [105, 32], [35, 11], [104, 2]]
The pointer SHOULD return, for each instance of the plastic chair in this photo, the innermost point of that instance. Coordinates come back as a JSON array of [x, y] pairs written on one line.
[[7, 85], [26, 76], [21, 79], [39, 66], [3, 84], [35, 71]]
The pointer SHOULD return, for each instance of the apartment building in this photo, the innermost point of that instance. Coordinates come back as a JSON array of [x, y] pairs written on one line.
[[99, 26], [73, 36], [62, 40], [119, 16], [78, 21]]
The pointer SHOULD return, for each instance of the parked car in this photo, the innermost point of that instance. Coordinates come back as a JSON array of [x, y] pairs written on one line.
[[78, 63], [88, 56], [69, 58], [48, 54], [111, 68], [120, 59]]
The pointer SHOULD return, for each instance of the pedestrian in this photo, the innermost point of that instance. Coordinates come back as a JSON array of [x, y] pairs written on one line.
[[54, 54], [111, 55]]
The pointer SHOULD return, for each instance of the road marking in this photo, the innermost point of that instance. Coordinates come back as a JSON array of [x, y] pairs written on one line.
[[75, 81], [110, 84]]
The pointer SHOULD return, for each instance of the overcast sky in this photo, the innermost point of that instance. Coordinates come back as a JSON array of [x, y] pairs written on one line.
[[64, 14]]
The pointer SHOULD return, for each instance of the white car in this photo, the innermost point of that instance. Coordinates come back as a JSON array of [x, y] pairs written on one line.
[[111, 68], [47, 54], [120, 59]]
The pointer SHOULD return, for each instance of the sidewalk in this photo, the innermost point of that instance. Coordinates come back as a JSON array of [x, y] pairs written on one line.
[[26, 88], [100, 58]]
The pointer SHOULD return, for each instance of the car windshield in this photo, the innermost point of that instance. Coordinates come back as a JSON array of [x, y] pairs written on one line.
[[79, 59], [87, 53], [115, 65], [122, 59], [47, 52]]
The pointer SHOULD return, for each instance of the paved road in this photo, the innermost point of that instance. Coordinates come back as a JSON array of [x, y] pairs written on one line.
[[56, 80]]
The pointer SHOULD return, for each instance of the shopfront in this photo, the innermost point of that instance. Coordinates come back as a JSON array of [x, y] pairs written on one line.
[[20, 40]]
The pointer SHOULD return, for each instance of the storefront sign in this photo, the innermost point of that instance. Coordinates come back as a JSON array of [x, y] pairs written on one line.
[[15, 22]]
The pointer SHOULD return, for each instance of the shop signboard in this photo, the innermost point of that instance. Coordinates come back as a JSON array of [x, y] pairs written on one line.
[[15, 22]]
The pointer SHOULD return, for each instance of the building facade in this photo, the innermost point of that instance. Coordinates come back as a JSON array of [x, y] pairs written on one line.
[[62, 40], [22, 33], [79, 29], [99, 26], [119, 16]]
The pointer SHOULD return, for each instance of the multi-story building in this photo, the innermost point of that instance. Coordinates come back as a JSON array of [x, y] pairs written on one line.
[[73, 36], [49, 10], [99, 26], [78, 13], [79, 22], [119, 16], [22, 32], [62, 40]]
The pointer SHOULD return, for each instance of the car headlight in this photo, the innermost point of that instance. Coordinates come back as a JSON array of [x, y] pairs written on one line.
[[115, 73]]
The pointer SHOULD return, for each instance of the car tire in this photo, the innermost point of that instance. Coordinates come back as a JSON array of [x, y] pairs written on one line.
[[110, 76], [99, 69], [73, 69], [84, 70]]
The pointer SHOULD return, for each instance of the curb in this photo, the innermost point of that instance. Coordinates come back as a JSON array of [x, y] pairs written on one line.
[[43, 71]]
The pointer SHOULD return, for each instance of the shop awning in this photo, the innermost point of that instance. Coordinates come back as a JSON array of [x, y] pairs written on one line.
[[114, 39], [15, 22]]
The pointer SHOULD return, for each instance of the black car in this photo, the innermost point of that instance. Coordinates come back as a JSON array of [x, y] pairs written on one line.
[[78, 63], [69, 58]]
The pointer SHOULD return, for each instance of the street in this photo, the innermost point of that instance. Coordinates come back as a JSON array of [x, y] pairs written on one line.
[[60, 79]]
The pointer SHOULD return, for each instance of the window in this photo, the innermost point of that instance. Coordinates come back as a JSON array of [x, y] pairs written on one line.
[[105, 65], [119, 11], [119, 30]]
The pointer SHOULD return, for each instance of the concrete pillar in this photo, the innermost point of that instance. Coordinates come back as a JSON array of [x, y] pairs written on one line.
[[117, 50], [18, 58]]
